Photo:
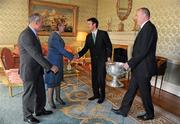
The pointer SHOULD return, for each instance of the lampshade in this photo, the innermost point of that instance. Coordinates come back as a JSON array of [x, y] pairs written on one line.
[[81, 36]]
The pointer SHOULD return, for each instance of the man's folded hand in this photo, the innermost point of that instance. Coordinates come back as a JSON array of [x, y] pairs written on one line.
[[54, 69]]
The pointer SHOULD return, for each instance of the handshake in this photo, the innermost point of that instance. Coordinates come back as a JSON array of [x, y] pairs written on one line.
[[76, 56]]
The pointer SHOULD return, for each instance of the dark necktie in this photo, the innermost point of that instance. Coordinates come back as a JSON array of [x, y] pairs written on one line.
[[94, 37], [37, 37]]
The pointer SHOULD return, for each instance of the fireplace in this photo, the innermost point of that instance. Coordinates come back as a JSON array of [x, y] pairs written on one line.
[[120, 53], [122, 40], [126, 40]]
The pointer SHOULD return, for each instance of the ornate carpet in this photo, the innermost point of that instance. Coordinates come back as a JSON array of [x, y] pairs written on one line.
[[114, 97], [78, 109]]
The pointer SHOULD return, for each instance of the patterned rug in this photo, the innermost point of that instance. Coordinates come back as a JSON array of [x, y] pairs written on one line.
[[115, 95], [78, 109]]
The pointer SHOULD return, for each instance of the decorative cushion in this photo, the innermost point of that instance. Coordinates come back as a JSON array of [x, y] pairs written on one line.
[[69, 48], [44, 47], [13, 76]]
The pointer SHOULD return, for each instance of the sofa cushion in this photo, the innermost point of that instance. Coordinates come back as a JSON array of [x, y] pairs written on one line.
[[13, 76]]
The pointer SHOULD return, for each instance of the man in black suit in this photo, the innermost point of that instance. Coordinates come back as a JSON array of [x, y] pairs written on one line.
[[143, 66], [32, 63], [100, 47]]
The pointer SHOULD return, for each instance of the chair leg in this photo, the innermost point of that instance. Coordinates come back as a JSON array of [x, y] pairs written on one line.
[[10, 91], [155, 84], [161, 84]]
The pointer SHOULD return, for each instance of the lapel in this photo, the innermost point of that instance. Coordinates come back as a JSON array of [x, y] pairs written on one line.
[[32, 33], [37, 41], [137, 38], [140, 32], [97, 37], [91, 40]]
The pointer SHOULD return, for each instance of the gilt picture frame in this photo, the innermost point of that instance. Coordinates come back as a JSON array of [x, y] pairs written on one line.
[[52, 12]]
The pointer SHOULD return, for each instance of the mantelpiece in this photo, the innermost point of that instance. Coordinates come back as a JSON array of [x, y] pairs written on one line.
[[123, 38]]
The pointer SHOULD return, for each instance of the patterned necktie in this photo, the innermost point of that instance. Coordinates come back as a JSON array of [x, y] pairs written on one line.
[[94, 37]]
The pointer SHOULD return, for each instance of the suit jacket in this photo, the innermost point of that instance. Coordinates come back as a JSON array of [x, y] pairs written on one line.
[[32, 61], [100, 50], [56, 52], [143, 59]]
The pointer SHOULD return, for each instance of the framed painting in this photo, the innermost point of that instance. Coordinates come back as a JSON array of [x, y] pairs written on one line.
[[52, 12]]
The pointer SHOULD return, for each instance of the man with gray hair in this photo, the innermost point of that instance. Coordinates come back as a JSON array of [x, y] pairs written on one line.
[[143, 66], [32, 63]]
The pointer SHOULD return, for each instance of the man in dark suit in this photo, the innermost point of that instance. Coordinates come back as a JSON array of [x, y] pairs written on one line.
[[100, 47], [143, 66], [32, 63]]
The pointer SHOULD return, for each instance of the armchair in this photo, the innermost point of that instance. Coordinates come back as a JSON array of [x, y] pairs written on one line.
[[12, 78]]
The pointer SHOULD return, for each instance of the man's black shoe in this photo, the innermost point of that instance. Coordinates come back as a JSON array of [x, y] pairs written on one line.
[[44, 112], [100, 100], [119, 112], [145, 117], [31, 120], [93, 98]]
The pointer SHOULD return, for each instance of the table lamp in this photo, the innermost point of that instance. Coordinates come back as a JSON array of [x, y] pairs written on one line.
[[81, 37]]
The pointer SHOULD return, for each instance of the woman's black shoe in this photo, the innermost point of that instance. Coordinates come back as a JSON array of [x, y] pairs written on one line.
[[60, 101], [52, 105]]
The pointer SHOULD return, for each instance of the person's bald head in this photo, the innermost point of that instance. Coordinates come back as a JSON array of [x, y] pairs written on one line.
[[142, 15]]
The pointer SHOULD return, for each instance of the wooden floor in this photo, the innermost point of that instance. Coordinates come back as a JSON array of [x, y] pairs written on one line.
[[167, 101]]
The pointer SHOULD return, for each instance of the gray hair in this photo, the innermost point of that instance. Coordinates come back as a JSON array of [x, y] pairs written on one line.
[[145, 11], [36, 17]]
